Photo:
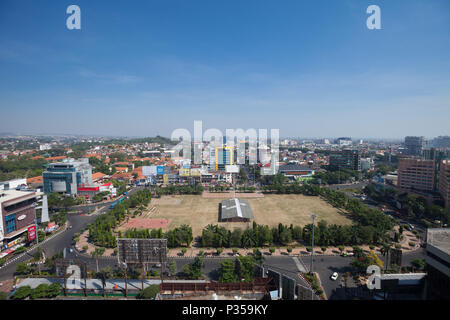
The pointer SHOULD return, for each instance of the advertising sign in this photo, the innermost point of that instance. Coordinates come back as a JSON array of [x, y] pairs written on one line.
[[31, 233], [160, 170], [142, 250], [184, 172], [149, 171]]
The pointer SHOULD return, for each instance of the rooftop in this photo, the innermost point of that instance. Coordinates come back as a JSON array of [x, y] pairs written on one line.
[[293, 167], [236, 208], [439, 238], [9, 195]]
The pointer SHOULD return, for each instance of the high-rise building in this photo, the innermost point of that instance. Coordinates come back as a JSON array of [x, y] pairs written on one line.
[[416, 174], [67, 175], [414, 145], [441, 142], [17, 213], [223, 157], [346, 159], [444, 182]]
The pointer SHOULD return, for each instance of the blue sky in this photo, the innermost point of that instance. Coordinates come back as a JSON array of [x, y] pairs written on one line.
[[308, 68]]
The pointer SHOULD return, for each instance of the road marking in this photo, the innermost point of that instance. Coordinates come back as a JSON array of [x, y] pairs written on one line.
[[299, 265]]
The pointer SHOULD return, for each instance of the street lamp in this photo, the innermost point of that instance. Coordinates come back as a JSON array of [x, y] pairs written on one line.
[[313, 216], [37, 236]]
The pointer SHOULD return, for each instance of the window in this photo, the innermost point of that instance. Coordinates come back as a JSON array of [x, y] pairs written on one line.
[[10, 222]]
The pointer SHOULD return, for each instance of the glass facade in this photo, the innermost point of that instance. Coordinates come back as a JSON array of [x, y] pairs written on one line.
[[10, 223]]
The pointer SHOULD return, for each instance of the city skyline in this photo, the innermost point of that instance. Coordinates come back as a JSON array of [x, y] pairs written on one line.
[[308, 69]]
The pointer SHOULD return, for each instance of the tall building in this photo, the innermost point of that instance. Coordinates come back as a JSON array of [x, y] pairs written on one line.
[[416, 174], [67, 175], [414, 145], [17, 213], [438, 263], [444, 182], [441, 142], [223, 157], [346, 159]]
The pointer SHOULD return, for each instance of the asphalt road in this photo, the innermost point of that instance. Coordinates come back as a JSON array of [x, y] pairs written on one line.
[[60, 241]]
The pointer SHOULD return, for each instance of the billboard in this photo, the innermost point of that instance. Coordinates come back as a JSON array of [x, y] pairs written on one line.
[[142, 250], [149, 171], [165, 178], [184, 172], [31, 233], [160, 170]]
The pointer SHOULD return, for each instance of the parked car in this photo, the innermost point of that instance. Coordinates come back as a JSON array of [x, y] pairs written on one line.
[[334, 276]]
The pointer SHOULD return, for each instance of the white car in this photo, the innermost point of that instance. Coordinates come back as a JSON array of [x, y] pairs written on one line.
[[334, 276]]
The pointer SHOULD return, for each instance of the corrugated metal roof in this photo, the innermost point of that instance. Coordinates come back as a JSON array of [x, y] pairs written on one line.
[[235, 207]]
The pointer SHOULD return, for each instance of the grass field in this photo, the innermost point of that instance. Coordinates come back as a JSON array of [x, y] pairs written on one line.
[[198, 212]]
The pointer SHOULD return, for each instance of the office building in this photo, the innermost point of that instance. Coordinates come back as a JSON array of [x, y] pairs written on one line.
[[416, 174], [67, 176], [444, 182], [220, 157], [366, 164], [438, 263], [346, 159], [17, 213], [441, 142], [414, 145], [293, 170]]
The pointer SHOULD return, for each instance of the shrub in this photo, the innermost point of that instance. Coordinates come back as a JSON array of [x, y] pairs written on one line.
[[398, 246], [155, 273], [85, 248], [3, 296], [219, 251], [289, 249], [372, 247], [323, 249], [201, 253], [272, 249], [309, 249], [20, 250], [149, 293], [411, 244], [40, 291], [22, 293], [235, 250], [183, 251], [341, 248]]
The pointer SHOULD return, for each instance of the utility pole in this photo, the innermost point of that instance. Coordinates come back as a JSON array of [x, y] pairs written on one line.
[[313, 216]]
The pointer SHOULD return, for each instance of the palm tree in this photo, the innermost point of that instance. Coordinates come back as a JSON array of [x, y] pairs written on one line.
[[98, 252], [385, 249]]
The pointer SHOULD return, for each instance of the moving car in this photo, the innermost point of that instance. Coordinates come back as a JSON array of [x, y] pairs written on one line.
[[334, 276]]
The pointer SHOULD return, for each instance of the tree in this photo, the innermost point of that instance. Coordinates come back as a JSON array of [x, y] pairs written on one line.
[[419, 264], [227, 271], [23, 268], [98, 252], [247, 269], [194, 270], [173, 267], [149, 293], [374, 259]]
